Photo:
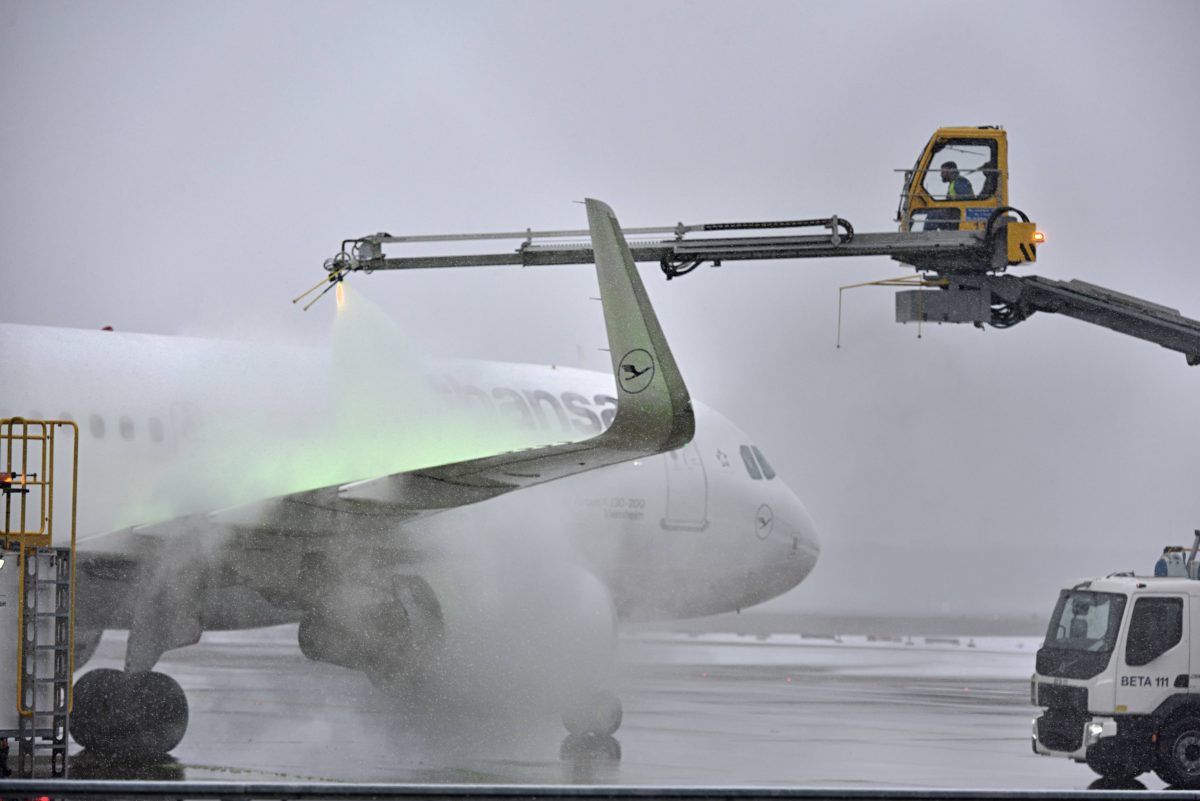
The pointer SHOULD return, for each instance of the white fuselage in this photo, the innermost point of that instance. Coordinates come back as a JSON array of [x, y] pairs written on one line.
[[172, 426]]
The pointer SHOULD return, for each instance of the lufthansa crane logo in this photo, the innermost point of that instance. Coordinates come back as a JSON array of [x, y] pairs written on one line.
[[764, 521], [636, 371]]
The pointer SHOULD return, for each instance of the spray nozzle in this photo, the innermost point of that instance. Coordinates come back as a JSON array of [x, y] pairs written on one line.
[[356, 254], [337, 274]]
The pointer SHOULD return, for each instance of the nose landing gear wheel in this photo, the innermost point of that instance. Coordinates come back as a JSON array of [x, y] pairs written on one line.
[[595, 712], [587, 748], [128, 713]]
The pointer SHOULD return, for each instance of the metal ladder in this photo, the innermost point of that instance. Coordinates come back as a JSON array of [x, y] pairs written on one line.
[[45, 656]]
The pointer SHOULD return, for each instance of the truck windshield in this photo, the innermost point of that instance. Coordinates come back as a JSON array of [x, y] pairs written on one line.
[[1085, 621]]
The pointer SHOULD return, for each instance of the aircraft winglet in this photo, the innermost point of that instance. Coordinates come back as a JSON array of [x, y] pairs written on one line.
[[653, 405]]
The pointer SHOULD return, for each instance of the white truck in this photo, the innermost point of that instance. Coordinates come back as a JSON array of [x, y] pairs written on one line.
[[1119, 673]]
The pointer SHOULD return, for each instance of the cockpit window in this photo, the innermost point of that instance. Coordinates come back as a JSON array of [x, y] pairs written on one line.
[[767, 470], [751, 465]]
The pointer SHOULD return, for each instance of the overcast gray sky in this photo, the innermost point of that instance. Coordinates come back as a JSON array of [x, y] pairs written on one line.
[[185, 168]]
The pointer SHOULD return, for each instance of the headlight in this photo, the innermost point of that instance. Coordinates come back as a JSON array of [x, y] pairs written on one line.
[[1094, 730]]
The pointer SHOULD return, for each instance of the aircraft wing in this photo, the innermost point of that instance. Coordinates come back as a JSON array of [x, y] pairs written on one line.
[[654, 415]]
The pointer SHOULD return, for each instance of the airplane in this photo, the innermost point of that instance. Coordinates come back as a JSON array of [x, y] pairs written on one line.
[[227, 487]]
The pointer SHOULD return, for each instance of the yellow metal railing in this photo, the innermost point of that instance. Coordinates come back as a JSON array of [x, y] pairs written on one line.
[[28, 450]]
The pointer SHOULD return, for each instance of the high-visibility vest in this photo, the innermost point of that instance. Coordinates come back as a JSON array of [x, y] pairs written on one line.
[[950, 193]]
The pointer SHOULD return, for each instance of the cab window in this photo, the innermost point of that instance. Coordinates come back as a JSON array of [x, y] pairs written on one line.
[[1155, 627], [936, 219], [974, 159], [751, 466], [1085, 621]]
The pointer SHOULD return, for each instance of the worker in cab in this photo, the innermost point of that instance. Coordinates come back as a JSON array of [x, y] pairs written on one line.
[[958, 189]]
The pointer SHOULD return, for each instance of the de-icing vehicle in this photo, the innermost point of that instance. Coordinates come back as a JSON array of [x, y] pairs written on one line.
[[1119, 673], [957, 228]]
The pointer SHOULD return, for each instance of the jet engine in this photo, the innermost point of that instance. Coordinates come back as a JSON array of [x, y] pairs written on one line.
[[386, 626], [505, 634]]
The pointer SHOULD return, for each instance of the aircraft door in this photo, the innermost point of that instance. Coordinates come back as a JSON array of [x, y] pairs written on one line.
[[687, 490]]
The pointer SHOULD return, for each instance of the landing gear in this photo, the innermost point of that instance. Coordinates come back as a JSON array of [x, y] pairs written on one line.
[[594, 712], [128, 713], [588, 748]]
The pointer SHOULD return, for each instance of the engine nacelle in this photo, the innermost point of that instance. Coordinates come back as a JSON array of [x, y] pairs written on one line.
[[382, 625], [509, 629]]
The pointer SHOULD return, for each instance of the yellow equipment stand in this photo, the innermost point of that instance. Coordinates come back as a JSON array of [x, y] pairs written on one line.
[[38, 636]]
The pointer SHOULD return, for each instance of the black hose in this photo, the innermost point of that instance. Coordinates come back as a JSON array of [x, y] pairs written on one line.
[[674, 269], [1006, 315], [751, 226], [990, 231]]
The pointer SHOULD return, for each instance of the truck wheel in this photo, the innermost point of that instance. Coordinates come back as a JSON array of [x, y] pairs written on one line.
[[1179, 753]]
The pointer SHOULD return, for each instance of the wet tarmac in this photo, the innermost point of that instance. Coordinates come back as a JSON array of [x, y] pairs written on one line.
[[707, 710]]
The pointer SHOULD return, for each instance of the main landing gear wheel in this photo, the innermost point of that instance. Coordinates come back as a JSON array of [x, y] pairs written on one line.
[[128, 713], [585, 748], [596, 712], [1179, 753]]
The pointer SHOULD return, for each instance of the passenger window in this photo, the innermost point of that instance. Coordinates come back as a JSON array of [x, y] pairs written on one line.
[[96, 426], [126, 426], [751, 466], [156, 429], [1155, 627], [767, 470]]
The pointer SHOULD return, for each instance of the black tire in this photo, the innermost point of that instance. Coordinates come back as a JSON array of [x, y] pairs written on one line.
[[586, 748], [95, 693], [128, 713], [1178, 762], [596, 712]]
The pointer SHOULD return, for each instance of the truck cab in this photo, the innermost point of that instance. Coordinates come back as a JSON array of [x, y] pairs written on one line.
[[979, 155], [1118, 676]]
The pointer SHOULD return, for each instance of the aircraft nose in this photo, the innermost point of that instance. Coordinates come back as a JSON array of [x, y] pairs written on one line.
[[798, 538], [791, 549]]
